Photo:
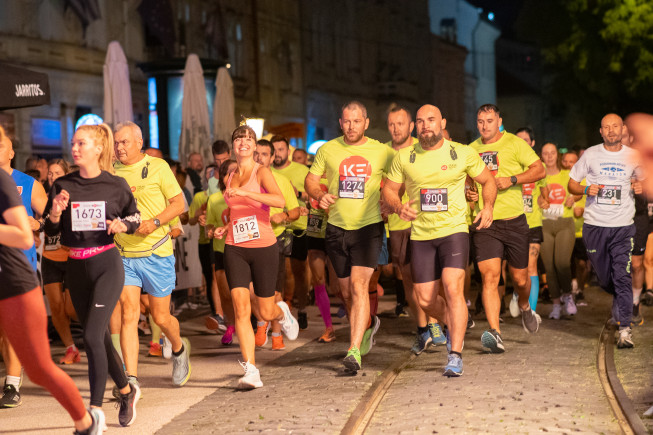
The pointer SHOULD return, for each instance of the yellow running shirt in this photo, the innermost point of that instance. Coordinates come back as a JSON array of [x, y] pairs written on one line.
[[354, 174], [435, 181], [288, 195], [153, 185], [530, 194], [217, 214], [578, 222], [395, 223], [200, 199], [296, 173], [558, 192], [506, 157]]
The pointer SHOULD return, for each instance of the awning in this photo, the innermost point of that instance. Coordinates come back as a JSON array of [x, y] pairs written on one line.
[[20, 87]]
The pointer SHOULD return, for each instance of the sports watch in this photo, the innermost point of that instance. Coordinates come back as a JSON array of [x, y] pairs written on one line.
[[157, 222], [513, 180]]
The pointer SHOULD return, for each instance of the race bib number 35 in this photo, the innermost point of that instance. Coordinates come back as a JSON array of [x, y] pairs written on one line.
[[351, 187], [245, 229], [610, 195], [434, 199], [88, 216]]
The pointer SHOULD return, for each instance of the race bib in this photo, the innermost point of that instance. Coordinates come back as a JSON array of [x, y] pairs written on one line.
[[351, 187], [314, 223], [88, 216], [528, 203], [52, 243], [554, 211], [434, 199], [610, 195], [245, 229], [491, 160]]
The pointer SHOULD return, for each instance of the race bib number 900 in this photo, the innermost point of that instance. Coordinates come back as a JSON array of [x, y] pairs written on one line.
[[434, 199], [88, 216], [610, 195], [245, 229], [351, 187]]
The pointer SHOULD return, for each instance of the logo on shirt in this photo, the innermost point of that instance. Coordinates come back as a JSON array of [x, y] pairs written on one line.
[[20, 190], [527, 188], [444, 167], [133, 189], [557, 193], [355, 166], [612, 169]]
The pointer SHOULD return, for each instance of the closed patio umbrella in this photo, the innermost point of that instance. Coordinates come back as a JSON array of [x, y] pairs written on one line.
[[224, 121], [195, 126], [117, 89]]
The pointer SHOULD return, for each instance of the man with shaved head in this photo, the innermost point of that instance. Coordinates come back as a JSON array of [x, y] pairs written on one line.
[[434, 173], [611, 172], [512, 162]]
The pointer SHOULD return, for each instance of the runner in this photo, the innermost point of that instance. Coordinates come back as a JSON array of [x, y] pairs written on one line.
[[513, 163], [279, 219], [221, 153], [88, 207], [147, 255], [296, 173], [251, 254], [559, 233], [34, 199], [53, 268], [609, 169], [437, 210], [400, 126], [354, 166], [22, 311]]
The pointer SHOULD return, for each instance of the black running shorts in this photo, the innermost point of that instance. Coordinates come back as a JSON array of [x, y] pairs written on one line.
[[255, 265], [641, 234], [53, 272], [429, 257], [347, 248], [535, 235], [399, 247], [505, 239]]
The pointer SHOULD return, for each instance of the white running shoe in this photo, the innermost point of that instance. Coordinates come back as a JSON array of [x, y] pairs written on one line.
[[289, 324], [569, 306], [514, 306], [555, 312], [252, 377]]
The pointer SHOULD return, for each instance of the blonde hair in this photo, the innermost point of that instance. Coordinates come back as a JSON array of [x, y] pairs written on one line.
[[103, 136]]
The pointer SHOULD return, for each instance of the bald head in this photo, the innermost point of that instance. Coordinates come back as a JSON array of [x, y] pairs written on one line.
[[430, 124], [6, 151], [611, 129]]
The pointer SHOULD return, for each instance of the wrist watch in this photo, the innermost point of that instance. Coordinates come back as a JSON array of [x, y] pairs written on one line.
[[513, 180], [157, 222]]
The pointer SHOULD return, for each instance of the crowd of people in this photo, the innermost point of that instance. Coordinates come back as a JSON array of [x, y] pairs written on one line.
[[426, 210]]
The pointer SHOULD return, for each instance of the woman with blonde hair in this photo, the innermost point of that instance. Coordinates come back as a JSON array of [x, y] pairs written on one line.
[[88, 207]]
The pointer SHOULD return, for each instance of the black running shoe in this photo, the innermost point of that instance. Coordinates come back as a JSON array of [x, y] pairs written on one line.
[[302, 319], [647, 297], [10, 397], [491, 339], [127, 413]]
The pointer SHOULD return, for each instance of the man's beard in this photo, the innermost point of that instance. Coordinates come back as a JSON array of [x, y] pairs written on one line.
[[402, 140], [430, 141], [280, 162], [357, 138]]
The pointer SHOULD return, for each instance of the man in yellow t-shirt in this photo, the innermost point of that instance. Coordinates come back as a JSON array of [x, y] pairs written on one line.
[[280, 218], [400, 126], [148, 255], [296, 173], [354, 166], [513, 163], [434, 173]]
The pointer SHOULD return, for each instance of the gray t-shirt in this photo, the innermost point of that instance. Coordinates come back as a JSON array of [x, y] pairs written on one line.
[[614, 206]]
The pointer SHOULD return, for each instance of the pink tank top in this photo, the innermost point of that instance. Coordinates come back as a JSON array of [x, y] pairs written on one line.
[[256, 233]]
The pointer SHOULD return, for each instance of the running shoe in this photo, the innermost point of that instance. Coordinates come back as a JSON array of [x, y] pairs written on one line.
[[98, 423], [127, 413], [454, 367], [342, 311], [277, 343], [261, 337], [470, 321], [166, 350], [155, 350], [637, 319], [352, 361], [368, 337], [569, 306], [400, 310], [252, 377], [514, 306], [555, 312], [215, 323], [421, 342], [491, 339], [144, 328], [625, 340], [228, 336], [132, 380], [10, 397], [181, 368], [302, 319], [327, 336], [437, 337], [72, 356], [647, 297], [530, 320], [289, 325]]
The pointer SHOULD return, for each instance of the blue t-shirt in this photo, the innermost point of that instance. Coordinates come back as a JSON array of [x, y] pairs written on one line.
[[25, 184]]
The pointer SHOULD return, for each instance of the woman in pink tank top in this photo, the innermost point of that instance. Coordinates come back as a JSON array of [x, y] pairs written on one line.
[[251, 254]]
